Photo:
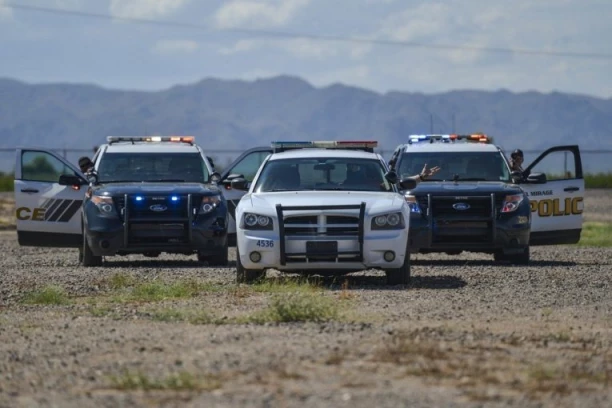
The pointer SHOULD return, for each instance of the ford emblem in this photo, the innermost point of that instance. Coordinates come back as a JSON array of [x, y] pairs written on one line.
[[461, 206], [158, 208]]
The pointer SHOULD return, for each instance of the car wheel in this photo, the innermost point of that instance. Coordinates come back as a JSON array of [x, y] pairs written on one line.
[[218, 259], [244, 275], [520, 259], [500, 256], [401, 275], [88, 258]]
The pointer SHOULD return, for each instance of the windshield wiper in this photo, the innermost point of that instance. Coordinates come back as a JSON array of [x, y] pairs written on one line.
[[276, 190], [470, 179]]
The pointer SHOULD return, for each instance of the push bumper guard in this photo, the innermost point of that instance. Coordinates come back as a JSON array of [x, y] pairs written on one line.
[[329, 253], [175, 230]]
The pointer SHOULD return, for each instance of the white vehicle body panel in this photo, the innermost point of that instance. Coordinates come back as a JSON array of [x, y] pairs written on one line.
[[286, 251]]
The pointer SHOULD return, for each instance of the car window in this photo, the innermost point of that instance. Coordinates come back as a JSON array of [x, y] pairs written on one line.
[[249, 165], [178, 167], [346, 174], [559, 165], [482, 166], [42, 166]]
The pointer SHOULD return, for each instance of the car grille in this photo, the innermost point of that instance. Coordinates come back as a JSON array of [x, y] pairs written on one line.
[[461, 220], [157, 219], [321, 225]]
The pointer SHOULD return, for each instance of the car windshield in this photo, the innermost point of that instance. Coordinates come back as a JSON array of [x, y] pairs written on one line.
[[341, 174], [152, 167], [466, 166]]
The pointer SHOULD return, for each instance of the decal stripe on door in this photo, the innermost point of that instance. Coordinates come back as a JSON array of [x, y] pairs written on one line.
[[72, 209]]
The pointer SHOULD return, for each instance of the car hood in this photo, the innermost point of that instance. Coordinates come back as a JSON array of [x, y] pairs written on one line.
[[155, 188], [465, 187], [376, 202]]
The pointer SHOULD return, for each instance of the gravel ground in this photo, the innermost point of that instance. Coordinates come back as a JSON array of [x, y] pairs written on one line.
[[465, 333]]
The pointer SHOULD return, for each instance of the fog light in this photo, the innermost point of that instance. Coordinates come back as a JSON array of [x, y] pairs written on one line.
[[389, 256], [255, 256], [104, 244]]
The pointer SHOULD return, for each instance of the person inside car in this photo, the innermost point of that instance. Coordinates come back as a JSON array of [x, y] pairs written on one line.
[[426, 173], [516, 160], [85, 164]]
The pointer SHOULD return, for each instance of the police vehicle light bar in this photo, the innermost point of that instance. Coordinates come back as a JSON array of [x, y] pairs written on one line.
[[132, 139], [367, 145], [477, 138]]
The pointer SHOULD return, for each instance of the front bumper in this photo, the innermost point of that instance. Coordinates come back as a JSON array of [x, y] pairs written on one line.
[[202, 233], [502, 234], [296, 257]]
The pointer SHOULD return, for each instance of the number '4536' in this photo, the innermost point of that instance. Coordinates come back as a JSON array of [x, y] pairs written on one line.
[[264, 243]]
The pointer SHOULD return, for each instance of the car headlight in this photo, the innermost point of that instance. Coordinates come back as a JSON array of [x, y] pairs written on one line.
[[413, 203], [104, 204], [253, 221], [388, 221], [512, 202], [209, 203]]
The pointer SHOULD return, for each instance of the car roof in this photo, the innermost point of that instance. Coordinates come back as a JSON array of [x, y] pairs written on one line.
[[152, 147], [449, 147], [316, 153]]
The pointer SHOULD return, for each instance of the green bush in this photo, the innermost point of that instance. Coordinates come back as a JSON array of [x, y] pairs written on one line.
[[6, 181], [598, 180]]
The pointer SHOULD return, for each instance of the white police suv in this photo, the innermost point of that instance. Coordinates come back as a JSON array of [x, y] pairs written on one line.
[[329, 207]]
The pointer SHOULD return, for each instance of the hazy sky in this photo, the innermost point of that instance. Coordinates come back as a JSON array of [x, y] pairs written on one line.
[[43, 47]]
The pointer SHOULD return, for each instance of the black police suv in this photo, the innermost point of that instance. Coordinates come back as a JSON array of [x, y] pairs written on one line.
[[146, 195], [475, 203]]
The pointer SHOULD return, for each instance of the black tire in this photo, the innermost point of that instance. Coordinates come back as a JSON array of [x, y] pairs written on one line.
[[218, 259], [499, 256], [520, 259], [88, 258], [247, 275], [401, 275]]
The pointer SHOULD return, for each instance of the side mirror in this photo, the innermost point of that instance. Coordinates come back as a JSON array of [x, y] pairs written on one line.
[[408, 184], [70, 180], [536, 178], [240, 184], [391, 176], [211, 161], [215, 177], [232, 176]]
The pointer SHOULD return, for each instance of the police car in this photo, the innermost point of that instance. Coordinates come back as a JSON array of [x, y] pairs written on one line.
[[476, 203], [146, 195], [329, 207]]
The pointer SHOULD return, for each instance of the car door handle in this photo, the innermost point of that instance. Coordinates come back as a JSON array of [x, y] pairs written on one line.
[[29, 190], [571, 189]]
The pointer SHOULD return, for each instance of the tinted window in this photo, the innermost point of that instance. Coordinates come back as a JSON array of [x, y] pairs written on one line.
[[323, 174], [249, 165], [178, 167], [41, 166], [481, 166]]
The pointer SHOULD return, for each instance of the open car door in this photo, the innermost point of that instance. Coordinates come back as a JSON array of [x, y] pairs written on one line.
[[246, 165], [557, 199], [48, 213]]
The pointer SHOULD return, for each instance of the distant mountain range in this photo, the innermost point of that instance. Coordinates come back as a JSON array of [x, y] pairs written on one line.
[[234, 115]]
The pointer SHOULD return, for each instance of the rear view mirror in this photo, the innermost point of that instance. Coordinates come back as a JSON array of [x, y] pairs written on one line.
[[324, 166], [240, 184], [536, 178], [408, 184]]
